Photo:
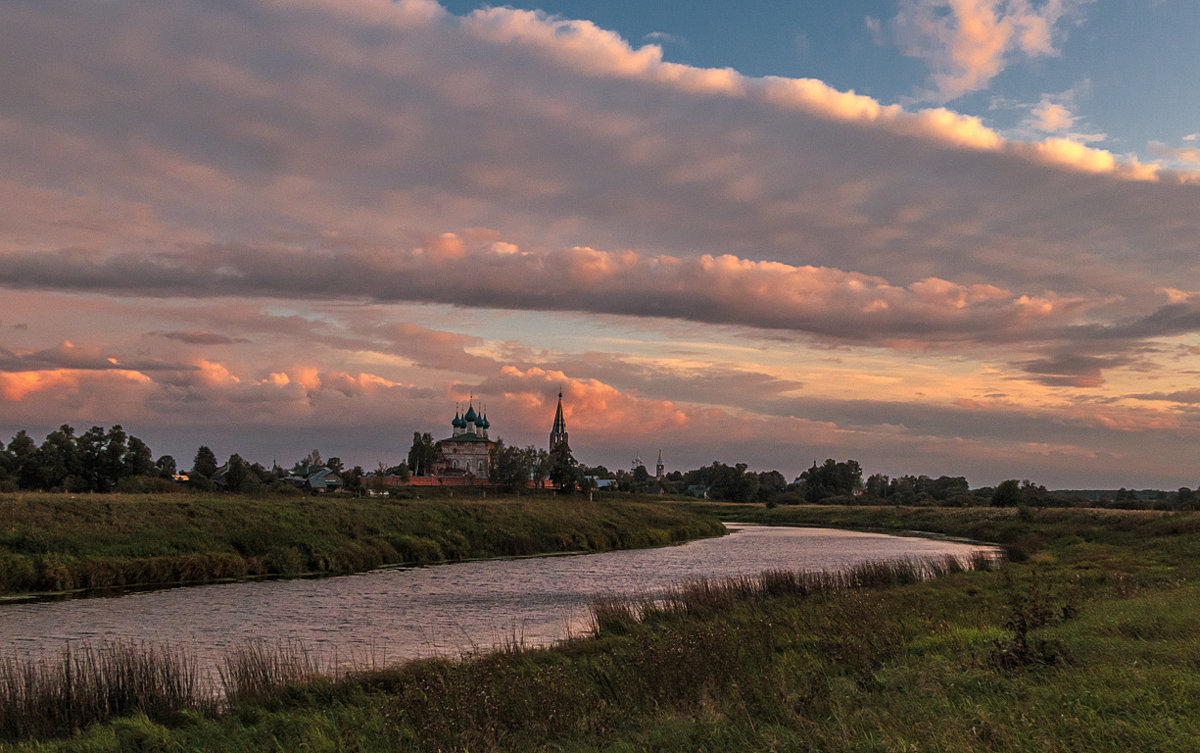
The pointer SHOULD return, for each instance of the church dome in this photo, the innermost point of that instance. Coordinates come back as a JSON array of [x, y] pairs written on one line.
[[471, 415], [458, 423], [485, 423]]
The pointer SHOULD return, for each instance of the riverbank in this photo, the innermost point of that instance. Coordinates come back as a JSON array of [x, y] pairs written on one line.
[[58, 543], [1088, 643]]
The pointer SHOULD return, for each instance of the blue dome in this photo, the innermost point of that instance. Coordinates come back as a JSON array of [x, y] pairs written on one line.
[[471, 415], [458, 423]]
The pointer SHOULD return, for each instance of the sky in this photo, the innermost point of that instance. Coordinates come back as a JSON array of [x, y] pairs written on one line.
[[935, 236]]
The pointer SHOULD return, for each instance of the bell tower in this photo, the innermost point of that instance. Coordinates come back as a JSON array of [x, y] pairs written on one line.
[[558, 434]]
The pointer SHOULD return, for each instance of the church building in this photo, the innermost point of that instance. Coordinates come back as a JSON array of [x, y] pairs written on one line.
[[467, 451]]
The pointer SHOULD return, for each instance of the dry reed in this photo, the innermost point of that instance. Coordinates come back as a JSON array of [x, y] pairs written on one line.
[[86, 684]]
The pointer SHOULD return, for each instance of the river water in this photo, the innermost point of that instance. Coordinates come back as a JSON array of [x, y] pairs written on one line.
[[399, 613]]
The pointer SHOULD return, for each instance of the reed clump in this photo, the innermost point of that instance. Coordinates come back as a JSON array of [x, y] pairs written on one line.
[[700, 596], [258, 671], [87, 684]]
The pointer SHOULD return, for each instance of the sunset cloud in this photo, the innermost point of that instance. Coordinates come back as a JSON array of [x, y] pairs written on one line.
[[327, 222], [968, 42]]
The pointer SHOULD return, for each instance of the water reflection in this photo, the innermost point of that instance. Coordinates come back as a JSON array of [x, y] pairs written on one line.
[[392, 614]]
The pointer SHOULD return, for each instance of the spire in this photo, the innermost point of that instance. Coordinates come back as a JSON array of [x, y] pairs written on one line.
[[660, 468], [558, 434]]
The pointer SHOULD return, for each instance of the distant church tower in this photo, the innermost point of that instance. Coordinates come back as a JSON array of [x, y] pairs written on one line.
[[558, 435], [659, 468]]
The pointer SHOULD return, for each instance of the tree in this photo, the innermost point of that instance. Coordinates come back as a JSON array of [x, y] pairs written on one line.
[[205, 462], [731, 483], [1008, 494], [539, 465], [423, 454], [833, 479], [335, 464], [112, 466], [508, 467], [563, 471], [770, 485], [1185, 499], [166, 466], [57, 460], [23, 451], [352, 480], [877, 485], [237, 474], [138, 460]]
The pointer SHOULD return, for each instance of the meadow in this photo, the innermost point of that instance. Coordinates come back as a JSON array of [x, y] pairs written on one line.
[[1086, 642], [55, 543]]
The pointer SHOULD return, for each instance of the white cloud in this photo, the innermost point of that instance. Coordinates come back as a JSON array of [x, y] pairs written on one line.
[[967, 43]]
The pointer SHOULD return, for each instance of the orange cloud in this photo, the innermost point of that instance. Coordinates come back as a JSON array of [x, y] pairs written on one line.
[[16, 386]]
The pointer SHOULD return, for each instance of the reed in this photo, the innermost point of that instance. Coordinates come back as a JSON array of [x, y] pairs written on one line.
[[87, 684], [700, 596], [258, 671]]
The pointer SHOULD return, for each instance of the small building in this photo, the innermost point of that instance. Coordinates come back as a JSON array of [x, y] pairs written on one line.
[[315, 478]]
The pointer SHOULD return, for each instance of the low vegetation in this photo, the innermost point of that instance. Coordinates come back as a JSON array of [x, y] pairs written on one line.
[[1087, 643], [59, 542]]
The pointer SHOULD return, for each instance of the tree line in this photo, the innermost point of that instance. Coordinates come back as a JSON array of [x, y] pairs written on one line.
[[106, 460], [110, 459], [98, 460]]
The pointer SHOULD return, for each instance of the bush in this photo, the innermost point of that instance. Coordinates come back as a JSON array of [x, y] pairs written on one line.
[[146, 485]]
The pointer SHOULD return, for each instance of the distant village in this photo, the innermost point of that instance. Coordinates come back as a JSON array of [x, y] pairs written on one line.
[[108, 460]]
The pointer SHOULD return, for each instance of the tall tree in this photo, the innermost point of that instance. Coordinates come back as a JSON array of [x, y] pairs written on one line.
[[115, 447], [23, 451], [237, 474], [833, 479], [205, 462], [422, 455], [58, 461], [138, 460], [166, 466], [508, 467], [563, 471]]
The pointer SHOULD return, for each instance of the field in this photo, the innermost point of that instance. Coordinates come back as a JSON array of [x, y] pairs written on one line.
[[52, 543], [1087, 642]]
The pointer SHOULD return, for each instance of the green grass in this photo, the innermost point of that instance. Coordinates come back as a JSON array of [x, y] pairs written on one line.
[[1087, 643], [58, 542]]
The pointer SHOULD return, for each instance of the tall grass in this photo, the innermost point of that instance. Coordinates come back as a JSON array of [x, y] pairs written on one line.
[[87, 684], [700, 596], [257, 671]]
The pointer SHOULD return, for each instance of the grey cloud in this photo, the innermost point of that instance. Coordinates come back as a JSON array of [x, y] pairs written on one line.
[[721, 290], [1071, 369], [67, 356], [201, 338], [377, 130]]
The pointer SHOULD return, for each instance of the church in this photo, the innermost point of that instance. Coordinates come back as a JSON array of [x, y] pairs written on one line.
[[468, 449], [464, 456]]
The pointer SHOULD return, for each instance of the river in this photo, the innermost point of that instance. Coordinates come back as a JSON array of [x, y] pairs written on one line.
[[397, 613]]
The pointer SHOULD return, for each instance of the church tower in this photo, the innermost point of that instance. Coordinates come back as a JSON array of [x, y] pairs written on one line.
[[558, 434], [659, 469]]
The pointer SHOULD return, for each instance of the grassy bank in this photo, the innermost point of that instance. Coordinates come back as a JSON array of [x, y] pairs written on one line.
[[58, 542], [1088, 643]]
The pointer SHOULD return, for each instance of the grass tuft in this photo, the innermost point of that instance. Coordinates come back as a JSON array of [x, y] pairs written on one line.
[[89, 684]]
